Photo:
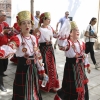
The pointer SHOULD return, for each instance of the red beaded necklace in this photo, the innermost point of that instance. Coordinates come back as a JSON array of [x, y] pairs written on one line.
[[73, 46], [24, 49]]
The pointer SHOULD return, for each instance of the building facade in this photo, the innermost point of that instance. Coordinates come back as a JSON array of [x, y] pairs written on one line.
[[6, 5]]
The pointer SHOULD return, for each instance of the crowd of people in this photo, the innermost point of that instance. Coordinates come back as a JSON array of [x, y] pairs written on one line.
[[33, 52]]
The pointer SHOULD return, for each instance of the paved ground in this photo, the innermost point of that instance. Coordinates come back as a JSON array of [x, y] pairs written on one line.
[[94, 78]]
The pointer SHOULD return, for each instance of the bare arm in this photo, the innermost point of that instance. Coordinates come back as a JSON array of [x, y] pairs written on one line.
[[57, 26], [87, 35], [36, 30]]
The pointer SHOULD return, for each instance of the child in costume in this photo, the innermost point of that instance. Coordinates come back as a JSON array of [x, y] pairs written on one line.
[[74, 84], [29, 64]]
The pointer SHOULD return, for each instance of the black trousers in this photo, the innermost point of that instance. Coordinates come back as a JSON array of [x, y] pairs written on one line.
[[89, 49], [1, 80], [3, 68], [3, 65]]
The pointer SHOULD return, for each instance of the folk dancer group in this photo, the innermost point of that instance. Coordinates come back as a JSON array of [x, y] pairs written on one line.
[[36, 59]]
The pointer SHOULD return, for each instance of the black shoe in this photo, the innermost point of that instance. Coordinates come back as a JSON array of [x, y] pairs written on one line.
[[2, 88]]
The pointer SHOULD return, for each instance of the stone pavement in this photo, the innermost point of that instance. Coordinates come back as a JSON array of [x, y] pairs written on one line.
[[94, 78]]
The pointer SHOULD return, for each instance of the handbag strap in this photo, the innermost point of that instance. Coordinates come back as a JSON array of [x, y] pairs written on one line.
[[89, 33]]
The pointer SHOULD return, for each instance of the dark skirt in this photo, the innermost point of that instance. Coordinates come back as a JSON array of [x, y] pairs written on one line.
[[50, 66], [25, 85], [74, 84]]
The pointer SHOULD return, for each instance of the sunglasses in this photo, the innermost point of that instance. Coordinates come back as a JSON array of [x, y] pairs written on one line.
[[3, 15], [67, 14]]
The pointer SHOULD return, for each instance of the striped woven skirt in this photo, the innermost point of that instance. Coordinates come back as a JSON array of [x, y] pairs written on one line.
[[25, 85], [74, 84], [50, 66]]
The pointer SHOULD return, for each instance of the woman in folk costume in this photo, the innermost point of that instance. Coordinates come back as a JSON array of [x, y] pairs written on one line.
[[25, 85], [74, 84], [45, 34]]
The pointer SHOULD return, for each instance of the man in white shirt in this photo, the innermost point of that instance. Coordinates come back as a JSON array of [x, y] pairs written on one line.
[[61, 22]]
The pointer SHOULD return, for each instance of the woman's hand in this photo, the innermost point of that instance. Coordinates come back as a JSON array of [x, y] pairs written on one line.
[[55, 31], [62, 48], [44, 74], [41, 76], [88, 70], [94, 36], [8, 56]]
